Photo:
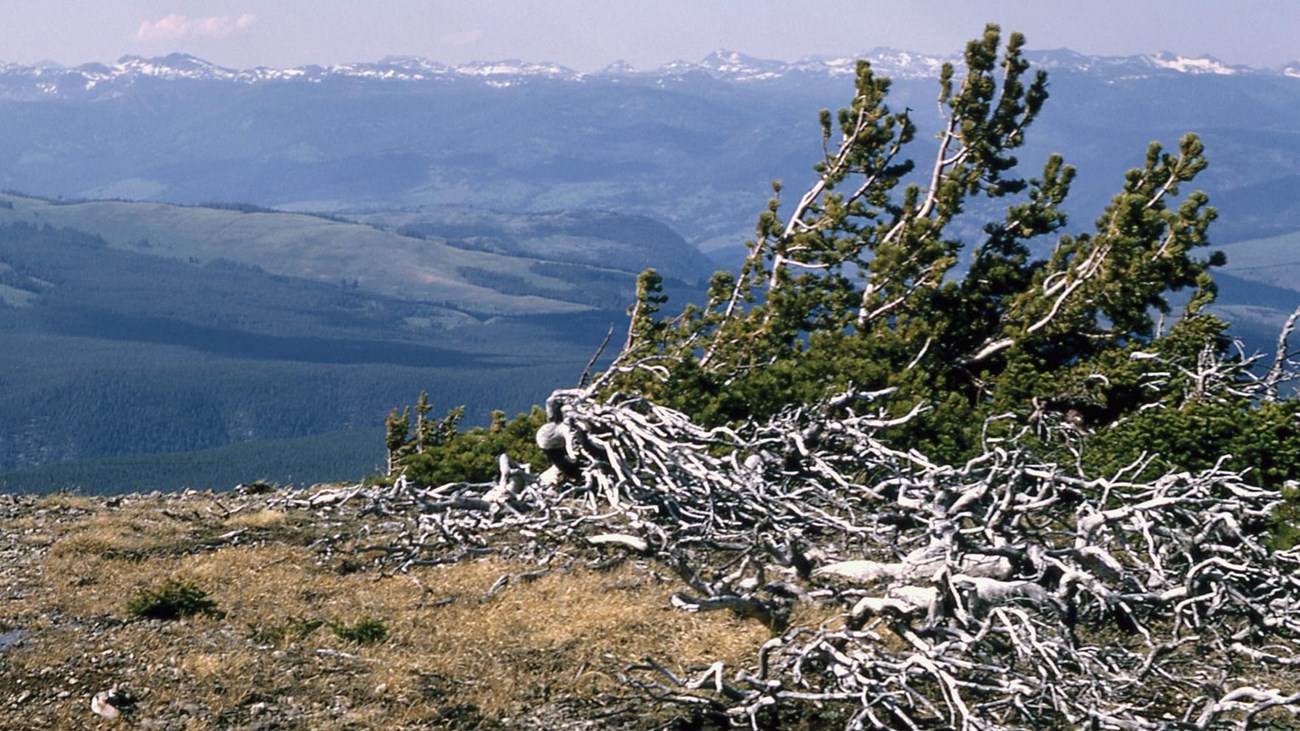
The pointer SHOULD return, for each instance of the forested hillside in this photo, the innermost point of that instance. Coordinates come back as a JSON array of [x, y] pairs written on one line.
[[143, 329]]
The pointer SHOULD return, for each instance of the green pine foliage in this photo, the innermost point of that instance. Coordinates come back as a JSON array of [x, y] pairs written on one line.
[[1264, 438], [175, 599], [365, 631], [437, 452], [874, 280], [956, 294]]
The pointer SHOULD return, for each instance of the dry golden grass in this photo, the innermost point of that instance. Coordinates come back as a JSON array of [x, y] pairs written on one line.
[[65, 501], [130, 532], [449, 651], [258, 519]]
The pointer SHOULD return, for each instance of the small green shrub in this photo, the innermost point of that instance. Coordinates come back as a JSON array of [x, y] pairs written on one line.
[[296, 628], [365, 631], [471, 456], [173, 600], [1284, 523]]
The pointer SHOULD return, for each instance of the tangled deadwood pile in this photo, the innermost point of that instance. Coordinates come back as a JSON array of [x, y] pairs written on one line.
[[1003, 593], [1010, 591]]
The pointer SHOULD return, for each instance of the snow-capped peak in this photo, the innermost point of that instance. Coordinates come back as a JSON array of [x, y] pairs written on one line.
[[515, 67], [740, 67], [46, 80], [1198, 65], [173, 66], [619, 68]]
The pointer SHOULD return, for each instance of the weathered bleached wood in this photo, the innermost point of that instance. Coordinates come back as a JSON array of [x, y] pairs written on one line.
[[1277, 370], [971, 595], [640, 545]]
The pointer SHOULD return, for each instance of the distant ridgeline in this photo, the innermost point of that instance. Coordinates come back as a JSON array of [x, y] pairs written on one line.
[[690, 144], [152, 346]]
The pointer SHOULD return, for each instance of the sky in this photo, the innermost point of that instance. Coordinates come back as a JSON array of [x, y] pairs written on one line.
[[587, 35]]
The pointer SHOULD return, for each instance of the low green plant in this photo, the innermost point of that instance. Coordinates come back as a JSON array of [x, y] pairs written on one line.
[[295, 628], [434, 452], [1262, 437], [1284, 523], [365, 631], [173, 600]]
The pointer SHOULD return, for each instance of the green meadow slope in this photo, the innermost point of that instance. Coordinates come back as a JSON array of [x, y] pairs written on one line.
[[308, 247], [141, 328]]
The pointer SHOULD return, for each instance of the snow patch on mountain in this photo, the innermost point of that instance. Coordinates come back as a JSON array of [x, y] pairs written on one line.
[[174, 66], [1200, 65], [51, 80], [515, 67]]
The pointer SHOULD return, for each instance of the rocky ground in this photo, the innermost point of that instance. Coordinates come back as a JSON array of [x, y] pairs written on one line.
[[297, 622]]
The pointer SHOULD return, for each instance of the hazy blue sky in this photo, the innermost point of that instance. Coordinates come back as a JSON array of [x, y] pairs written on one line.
[[588, 34]]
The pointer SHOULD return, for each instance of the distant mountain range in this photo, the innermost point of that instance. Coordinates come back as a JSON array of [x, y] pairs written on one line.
[[692, 144], [99, 79]]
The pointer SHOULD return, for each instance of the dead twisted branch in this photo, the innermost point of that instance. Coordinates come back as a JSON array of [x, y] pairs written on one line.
[[1002, 593]]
